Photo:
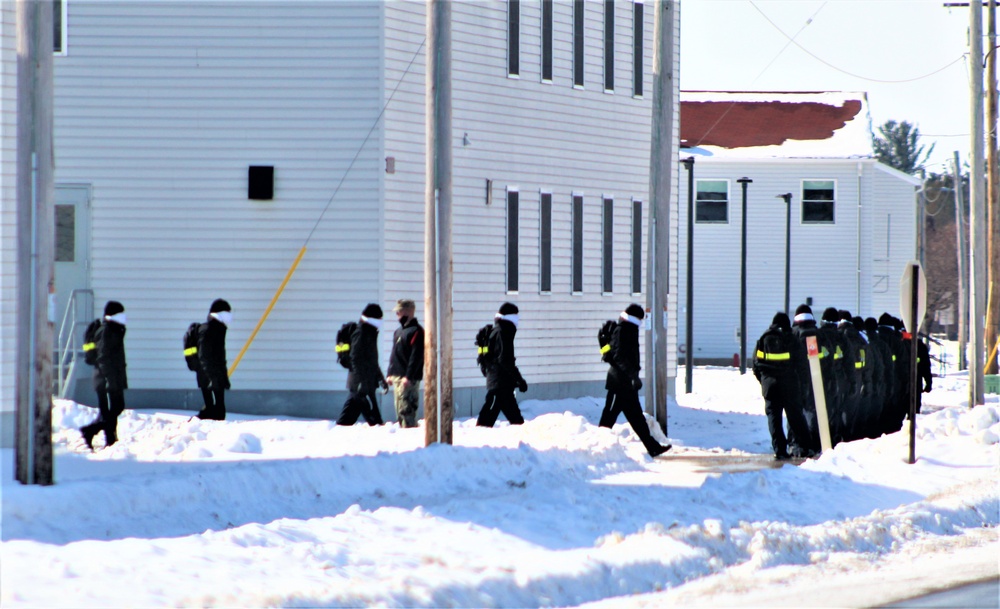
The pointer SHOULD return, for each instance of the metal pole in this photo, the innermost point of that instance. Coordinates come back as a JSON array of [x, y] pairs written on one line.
[[977, 201], [743, 279], [689, 306], [661, 160], [914, 389], [788, 249], [963, 273], [992, 329]]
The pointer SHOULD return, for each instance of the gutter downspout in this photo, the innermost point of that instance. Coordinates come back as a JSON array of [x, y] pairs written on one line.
[[860, 173]]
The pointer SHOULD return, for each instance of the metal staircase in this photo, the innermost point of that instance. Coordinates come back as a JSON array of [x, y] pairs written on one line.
[[69, 342]]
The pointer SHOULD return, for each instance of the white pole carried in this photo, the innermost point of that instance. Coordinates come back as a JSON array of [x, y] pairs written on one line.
[[822, 419]]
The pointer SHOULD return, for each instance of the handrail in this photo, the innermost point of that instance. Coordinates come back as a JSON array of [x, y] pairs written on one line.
[[67, 347]]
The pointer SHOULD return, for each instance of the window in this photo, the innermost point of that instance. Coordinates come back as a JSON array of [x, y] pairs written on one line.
[[818, 200], [578, 43], [513, 37], [637, 43], [577, 280], [58, 26], [636, 247], [607, 246], [546, 40], [712, 201], [609, 45], [65, 233], [512, 211], [545, 245]]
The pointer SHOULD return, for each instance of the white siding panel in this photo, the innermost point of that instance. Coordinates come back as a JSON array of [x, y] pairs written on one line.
[[8, 208], [162, 107], [894, 239]]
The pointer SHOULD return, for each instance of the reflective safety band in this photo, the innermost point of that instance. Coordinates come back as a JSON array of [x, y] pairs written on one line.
[[341, 347], [859, 365], [190, 351], [607, 348], [839, 354], [861, 356], [89, 346], [774, 357], [823, 352], [893, 357], [484, 350]]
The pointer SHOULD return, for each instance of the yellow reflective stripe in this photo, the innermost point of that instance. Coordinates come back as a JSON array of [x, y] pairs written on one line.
[[839, 354], [861, 354], [89, 346], [341, 347], [483, 350], [605, 348], [859, 365], [893, 357], [190, 351], [774, 357], [823, 352]]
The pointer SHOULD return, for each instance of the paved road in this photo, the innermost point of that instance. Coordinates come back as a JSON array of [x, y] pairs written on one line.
[[983, 595]]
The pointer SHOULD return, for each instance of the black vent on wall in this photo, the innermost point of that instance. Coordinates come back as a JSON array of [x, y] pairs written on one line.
[[260, 183]]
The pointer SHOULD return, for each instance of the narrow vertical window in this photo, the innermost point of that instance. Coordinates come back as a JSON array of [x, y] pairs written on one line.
[[58, 27], [578, 43], [512, 221], [607, 246], [513, 37], [636, 247], [609, 45], [577, 281], [545, 245], [65, 233], [546, 40], [637, 44]]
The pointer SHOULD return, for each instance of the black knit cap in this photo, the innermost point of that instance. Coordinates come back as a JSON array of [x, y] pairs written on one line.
[[845, 314], [803, 308], [830, 314], [372, 311], [859, 324], [508, 308], [871, 326], [113, 308], [781, 320], [635, 311], [885, 320], [219, 305]]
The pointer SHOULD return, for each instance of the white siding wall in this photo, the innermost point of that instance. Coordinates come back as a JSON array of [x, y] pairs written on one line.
[[162, 106], [824, 257], [535, 136], [8, 212]]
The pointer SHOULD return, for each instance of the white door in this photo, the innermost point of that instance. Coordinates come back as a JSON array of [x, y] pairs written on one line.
[[72, 245]]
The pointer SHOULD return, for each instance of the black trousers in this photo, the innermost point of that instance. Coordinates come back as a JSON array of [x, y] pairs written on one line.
[[215, 404], [360, 404], [497, 401], [626, 401], [780, 395], [110, 404]]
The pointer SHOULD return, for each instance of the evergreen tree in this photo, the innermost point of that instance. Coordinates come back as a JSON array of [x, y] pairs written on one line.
[[899, 147]]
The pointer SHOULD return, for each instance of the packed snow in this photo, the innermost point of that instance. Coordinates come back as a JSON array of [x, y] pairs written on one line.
[[279, 512]]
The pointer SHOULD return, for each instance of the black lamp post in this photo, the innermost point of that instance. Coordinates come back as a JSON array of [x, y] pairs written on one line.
[[788, 245], [743, 280], [689, 315]]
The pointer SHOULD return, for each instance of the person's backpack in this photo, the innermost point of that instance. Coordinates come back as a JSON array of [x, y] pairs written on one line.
[[191, 346], [343, 347], [483, 355], [604, 339], [90, 340]]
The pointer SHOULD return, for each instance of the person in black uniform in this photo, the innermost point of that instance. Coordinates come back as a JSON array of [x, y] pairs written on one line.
[[110, 380], [880, 359], [924, 381], [502, 373], [623, 382], [213, 372], [775, 364], [835, 379], [406, 363], [365, 375], [804, 326], [893, 412], [852, 367]]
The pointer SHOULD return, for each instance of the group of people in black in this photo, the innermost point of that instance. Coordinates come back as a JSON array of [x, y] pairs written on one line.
[[864, 366]]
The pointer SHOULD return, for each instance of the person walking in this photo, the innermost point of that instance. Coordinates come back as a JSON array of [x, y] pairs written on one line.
[[897, 402], [836, 382], [502, 373], [623, 382], [880, 358], [775, 364], [110, 380], [804, 326], [365, 375], [213, 371], [406, 363]]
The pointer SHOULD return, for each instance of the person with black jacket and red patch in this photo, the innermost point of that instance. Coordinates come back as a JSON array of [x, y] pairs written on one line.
[[804, 326], [502, 374], [213, 371], [776, 364], [623, 382], [406, 363], [110, 379], [365, 375]]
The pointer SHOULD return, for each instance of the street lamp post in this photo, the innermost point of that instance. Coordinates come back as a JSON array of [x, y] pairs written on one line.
[[743, 279], [689, 314], [788, 246]]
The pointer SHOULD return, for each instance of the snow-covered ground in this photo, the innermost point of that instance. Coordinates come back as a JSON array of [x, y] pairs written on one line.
[[255, 512]]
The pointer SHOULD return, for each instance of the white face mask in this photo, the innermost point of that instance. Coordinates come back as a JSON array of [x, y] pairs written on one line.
[[226, 317], [372, 321], [513, 318], [118, 318]]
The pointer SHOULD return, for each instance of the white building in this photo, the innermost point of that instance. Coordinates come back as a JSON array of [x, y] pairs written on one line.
[[853, 219], [162, 109]]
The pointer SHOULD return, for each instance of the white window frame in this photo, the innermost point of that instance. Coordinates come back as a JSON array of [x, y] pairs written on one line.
[[729, 200], [802, 204]]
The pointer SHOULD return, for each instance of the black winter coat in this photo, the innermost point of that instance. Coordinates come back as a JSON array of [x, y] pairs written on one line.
[[212, 353], [776, 364], [365, 375], [624, 357], [109, 372], [858, 371], [501, 372], [803, 330], [407, 356]]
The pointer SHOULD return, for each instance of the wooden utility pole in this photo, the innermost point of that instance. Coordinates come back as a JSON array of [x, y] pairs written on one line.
[[963, 272], [661, 163], [35, 243], [977, 204], [993, 194], [438, 402]]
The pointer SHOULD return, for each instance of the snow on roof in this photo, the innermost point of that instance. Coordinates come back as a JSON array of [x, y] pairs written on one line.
[[737, 124]]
